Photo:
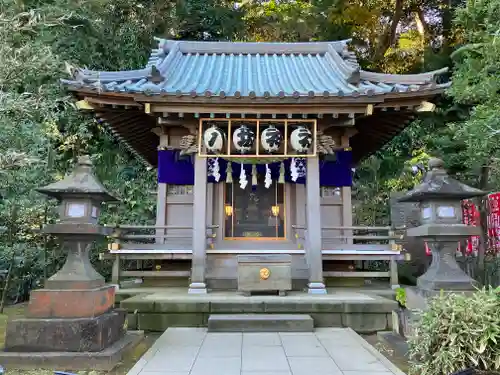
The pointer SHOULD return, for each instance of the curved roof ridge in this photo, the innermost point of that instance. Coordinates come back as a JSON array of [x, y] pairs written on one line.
[[87, 75], [403, 79], [349, 71], [188, 46]]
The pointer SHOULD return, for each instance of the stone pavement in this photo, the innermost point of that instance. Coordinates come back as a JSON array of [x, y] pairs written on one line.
[[327, 351]]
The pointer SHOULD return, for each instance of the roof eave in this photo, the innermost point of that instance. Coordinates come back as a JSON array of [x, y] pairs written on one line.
[[141, 98]]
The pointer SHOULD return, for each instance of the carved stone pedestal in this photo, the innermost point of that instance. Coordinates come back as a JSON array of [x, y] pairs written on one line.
[[66, 334], [71, 303], [444, 273]]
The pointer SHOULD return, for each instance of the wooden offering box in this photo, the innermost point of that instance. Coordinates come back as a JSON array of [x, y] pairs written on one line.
[[264, 273]]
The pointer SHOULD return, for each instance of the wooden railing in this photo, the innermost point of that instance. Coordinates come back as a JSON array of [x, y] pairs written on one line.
[[137, 243], [153, 237], [361, 244], [371, 237], [151, 243]]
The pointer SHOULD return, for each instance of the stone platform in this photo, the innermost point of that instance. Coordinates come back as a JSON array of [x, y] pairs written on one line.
[[326, 351], [159, 309]]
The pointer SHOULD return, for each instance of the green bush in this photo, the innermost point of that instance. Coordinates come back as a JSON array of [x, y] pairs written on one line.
[[457, 332]]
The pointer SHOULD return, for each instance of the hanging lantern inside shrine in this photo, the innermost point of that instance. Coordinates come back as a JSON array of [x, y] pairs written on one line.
[[213, 138], [271, 139], [301, 139], [243, 139]]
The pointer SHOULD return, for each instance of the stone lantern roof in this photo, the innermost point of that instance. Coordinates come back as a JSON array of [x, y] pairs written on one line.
[[81, 181], [438, 184]]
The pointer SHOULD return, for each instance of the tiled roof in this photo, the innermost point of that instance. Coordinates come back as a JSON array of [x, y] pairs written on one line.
[[228, 69]]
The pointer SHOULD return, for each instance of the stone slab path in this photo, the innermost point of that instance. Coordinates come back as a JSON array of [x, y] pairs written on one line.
[[327, 351]]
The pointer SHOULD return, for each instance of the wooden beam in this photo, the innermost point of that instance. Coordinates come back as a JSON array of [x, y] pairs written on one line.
[[356, 274], [109, 101], [264, 109], [155, 273]]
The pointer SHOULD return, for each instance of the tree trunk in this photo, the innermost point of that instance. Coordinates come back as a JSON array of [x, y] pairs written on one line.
[[447, 17], [423, 30], [388, 37], [12, 225], [422, 26], [6, 285]]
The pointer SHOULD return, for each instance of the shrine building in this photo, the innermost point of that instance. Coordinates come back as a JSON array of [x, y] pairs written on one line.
[[255, 146]]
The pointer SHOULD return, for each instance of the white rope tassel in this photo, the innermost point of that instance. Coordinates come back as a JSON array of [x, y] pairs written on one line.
[[243, 178], [216, 170], [294, 171], [268, 180]]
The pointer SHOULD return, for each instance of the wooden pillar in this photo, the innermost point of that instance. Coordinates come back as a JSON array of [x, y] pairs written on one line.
[[198, 263], [346, 195], [313, 236], [162, 193], [393, 264], [347, 213], [161, 212], [115, 270], [393, 267]]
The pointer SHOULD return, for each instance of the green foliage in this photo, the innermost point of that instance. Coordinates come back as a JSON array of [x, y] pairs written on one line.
[[41, 133], [476, 83], [401, 296], [457, 332]]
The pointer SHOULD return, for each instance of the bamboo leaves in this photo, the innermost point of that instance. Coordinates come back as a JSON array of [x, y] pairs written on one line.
[[457, 332]]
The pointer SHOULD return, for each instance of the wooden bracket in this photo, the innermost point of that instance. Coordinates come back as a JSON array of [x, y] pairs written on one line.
[[369, 110], [84, 104], [114, 246], [426, 107]]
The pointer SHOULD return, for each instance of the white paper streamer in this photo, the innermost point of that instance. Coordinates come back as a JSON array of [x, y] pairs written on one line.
[[216, 170], [243, 178], [294, 171], [229, 173], [268, 180], [254, 175]]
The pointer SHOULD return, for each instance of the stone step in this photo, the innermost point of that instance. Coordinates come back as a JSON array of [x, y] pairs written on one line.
[[260, 323]]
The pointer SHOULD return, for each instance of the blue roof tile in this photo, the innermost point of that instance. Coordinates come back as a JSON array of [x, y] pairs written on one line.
[[251, 70]]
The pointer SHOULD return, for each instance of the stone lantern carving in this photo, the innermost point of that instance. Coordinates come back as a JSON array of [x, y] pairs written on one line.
[[439, 197], [73, 317]]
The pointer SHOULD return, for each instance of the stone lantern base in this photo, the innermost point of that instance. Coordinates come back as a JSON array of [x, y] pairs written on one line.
[[444, 273], [68, 329], [71, 303], [65, 334], [71, 324], [105, 360]]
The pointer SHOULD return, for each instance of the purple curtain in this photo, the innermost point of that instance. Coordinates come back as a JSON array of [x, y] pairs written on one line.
[[174, 169]]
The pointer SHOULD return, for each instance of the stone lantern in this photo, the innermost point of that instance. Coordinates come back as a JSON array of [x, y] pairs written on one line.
[[440, 198], [80, 197], [73, 317]]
